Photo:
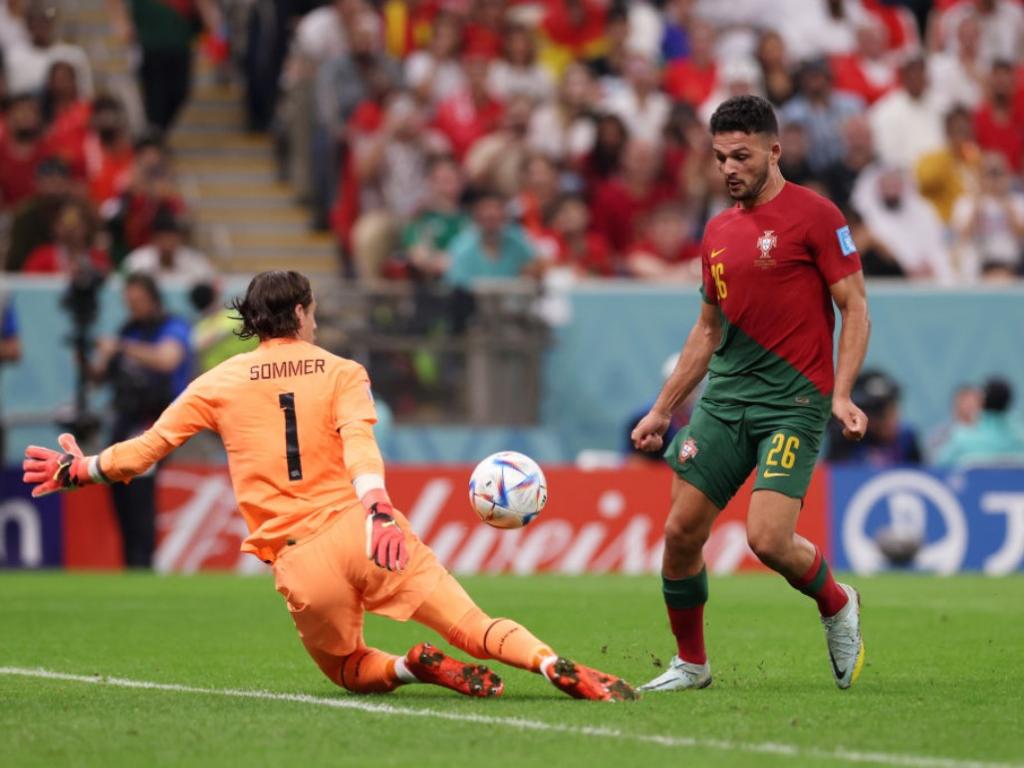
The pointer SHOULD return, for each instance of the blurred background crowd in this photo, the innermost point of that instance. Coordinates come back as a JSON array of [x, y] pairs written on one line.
[[448, 140]]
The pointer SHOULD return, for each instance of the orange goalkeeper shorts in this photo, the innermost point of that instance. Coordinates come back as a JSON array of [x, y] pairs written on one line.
[[328, 582]]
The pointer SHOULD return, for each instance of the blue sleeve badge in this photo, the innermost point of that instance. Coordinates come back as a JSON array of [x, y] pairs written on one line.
[[845, 241]]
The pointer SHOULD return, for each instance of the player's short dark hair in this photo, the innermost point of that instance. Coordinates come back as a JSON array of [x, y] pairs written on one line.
[[267, 310], [997, 394], [745, 114]]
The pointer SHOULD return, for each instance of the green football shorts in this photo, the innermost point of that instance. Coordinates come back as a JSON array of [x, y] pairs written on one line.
[[717, 449]]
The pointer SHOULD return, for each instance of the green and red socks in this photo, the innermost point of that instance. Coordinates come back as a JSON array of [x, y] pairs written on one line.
[[819, 585], [684, 599]]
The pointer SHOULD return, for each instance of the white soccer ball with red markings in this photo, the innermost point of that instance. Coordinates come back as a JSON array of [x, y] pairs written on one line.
[[508, 490]]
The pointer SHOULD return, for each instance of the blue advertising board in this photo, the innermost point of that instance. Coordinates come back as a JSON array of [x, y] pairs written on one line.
[[30, 529], [970, 520]]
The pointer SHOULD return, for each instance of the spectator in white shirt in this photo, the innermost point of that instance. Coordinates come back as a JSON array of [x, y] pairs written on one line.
[[12, 27], [517, 72], [988, 224], [735, 77], [166, 255], [1001, 22], [814, 28], [640, 103], [646, 26], [435, 73], [28, 65], [962, 71], [563, 128], [907, 122], [903, 224], [321, 35]]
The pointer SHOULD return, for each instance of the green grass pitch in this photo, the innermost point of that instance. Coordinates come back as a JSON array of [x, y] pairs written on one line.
[[942, 687]]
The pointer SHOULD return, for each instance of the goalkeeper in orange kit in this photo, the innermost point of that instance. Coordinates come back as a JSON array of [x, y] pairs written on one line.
[[297, 424]]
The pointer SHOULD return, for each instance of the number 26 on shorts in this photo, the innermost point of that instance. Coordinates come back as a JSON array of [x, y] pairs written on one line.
[[787, 446]]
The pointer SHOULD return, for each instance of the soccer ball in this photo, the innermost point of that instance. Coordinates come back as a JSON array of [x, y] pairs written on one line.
[[508, 490]]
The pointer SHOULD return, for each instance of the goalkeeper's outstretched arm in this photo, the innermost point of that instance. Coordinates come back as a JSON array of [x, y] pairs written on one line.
[[51, 471]]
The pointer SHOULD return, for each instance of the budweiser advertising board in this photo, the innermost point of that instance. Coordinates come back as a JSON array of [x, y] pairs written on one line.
[[595, 521]]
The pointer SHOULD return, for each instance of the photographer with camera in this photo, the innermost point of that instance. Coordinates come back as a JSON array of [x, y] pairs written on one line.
[[148, 365]]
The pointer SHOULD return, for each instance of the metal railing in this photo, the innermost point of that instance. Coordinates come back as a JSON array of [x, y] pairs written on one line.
[[437, 355]]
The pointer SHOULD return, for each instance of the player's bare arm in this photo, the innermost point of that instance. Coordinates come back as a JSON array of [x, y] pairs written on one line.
[[851, 298], [690, 369]]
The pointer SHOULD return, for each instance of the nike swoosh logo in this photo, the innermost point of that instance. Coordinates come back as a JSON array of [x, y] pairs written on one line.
[[768, 474], [840, 673], [714, 253]]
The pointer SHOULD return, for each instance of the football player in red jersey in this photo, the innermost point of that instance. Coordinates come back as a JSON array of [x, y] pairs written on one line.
[[773, 266]]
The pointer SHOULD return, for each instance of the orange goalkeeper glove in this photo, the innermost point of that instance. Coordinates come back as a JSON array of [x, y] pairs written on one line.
[[385, 542], [52, 471]]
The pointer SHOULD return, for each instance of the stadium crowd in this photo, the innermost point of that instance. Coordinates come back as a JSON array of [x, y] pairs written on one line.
[[445, 140], [587, 120]]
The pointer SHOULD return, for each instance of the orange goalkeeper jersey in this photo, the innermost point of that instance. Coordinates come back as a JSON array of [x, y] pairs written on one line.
[[296, 422]]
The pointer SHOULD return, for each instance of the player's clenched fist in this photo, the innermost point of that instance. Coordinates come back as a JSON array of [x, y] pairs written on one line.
[[49, 470], [385, 542], [853, 419], [647, 435]]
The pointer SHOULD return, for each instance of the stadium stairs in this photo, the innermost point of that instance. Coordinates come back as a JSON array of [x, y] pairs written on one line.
[[246, 220]]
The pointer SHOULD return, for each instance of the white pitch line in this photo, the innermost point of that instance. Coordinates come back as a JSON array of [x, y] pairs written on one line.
[[360, 705]]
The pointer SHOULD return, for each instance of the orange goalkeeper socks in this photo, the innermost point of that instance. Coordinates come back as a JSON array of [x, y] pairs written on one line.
[[513, 644], [371, 671]]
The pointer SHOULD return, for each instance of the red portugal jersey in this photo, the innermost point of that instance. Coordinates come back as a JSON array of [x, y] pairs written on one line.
[[769, 269]]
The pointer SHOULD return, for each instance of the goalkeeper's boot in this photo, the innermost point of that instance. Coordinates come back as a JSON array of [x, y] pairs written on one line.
[[431, 665], [582, 682], [680, 676], [845, 645]]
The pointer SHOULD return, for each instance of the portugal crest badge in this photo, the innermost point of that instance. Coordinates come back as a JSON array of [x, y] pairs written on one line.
[[765, 243], [687, 450]]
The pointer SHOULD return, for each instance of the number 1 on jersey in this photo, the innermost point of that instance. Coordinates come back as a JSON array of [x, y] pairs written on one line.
[[291, 435]]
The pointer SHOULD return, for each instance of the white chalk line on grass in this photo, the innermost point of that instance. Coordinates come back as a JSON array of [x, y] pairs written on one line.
[[523, 724]]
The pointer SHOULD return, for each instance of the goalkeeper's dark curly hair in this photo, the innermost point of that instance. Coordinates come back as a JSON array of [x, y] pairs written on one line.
[[268, 309], [745, 114]]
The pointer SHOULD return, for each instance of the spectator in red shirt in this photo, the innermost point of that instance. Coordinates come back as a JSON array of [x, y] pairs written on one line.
[[538, 192], [604, 161], [72, 249], [866, 72], [579, 248], [67, 117], [666, 249], [129, 217], [470, 114], [692, 80], [622, 204], [108, 150], [999, 121], [21, 150], [434, 73], [484, 28]]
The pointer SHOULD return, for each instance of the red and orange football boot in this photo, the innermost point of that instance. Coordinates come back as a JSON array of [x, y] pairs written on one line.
[[433, 666], [582, 682]]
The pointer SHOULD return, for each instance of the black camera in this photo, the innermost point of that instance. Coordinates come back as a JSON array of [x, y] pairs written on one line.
[[81, 301]]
